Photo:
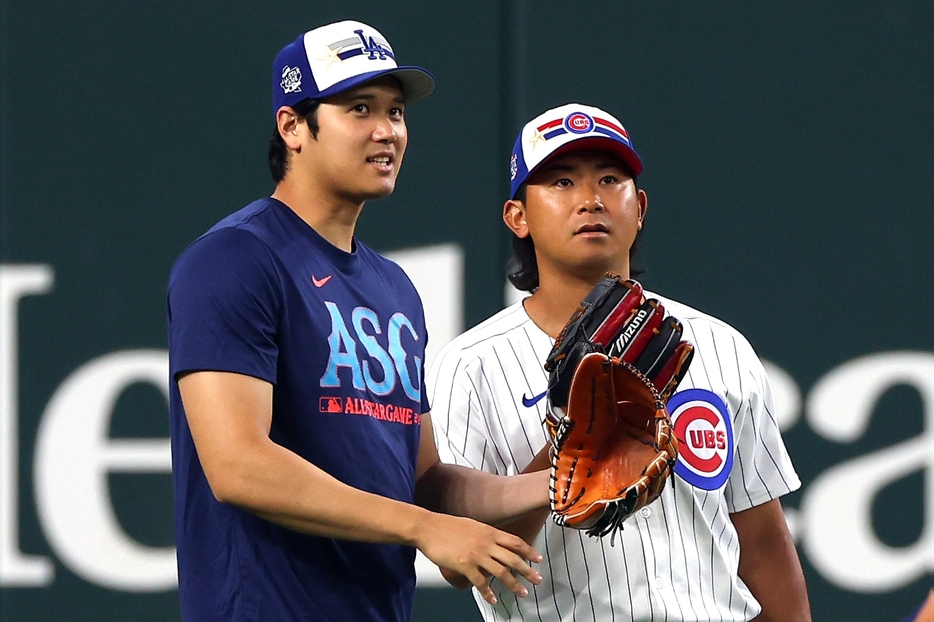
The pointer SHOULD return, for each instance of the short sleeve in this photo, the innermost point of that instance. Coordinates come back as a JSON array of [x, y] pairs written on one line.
[[763, 469], [224, 301]]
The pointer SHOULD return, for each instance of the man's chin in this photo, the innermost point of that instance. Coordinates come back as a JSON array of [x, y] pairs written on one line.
[[598, 266], [371, 194]]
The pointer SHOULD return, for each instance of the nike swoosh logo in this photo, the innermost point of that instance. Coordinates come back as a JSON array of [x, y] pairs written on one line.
[[320, 282], [528, 402]]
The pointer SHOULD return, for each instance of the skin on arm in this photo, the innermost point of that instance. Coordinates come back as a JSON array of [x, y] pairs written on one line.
[[230, 416], [927, 610], [769, 565], [526, 526], [484, 497], [529, 525], [464, 491]]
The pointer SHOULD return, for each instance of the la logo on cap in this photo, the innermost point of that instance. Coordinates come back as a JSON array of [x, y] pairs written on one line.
[[371, 47], [338, 57]]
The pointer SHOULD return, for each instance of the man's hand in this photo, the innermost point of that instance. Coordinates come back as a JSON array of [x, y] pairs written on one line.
[[477, 552]]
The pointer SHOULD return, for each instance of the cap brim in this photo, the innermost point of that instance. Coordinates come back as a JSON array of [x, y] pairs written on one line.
[[625, 152], [416, 82]]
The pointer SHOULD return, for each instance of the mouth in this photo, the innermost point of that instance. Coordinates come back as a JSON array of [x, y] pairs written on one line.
[[595, 228], [382, 160]]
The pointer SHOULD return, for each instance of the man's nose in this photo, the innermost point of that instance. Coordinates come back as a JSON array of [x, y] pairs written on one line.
[[590, 201], [385, 131]]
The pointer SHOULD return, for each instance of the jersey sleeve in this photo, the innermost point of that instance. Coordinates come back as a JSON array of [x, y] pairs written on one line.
[[457, 416], [224, 301], [763, 469]]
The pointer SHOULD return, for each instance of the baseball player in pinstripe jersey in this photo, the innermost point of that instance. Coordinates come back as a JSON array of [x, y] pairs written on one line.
[[715, 545]]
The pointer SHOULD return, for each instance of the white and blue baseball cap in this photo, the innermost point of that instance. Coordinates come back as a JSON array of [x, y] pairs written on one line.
[[337, 57], [568, 128]]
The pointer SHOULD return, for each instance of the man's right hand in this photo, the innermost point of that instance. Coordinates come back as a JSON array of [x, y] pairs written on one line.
[[478, 552]]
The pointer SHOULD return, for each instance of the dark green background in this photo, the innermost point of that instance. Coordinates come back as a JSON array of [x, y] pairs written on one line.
[[788, 164]]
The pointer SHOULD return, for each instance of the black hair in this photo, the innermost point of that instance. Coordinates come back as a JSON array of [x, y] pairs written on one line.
[[307, 110], [522, 268]]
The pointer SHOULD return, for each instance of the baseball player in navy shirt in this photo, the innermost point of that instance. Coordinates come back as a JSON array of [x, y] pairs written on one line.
[[304, 466]]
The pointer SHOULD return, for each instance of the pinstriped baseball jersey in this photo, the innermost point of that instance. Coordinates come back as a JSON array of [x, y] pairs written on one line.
[[677, 558]]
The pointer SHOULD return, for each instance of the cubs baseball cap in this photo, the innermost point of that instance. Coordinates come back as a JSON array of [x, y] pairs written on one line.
[[568, 128], [337, 57]]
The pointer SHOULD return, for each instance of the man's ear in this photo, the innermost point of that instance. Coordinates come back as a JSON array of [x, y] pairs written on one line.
[[288, 124], [643, 207], [514, 217]]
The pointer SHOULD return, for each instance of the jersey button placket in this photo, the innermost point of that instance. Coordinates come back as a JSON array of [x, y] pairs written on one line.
[[661, 586]]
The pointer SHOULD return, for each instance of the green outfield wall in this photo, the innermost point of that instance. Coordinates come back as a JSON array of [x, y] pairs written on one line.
[[788, 162]]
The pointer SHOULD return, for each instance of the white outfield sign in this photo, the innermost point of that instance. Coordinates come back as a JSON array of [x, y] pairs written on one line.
[[73, 453]]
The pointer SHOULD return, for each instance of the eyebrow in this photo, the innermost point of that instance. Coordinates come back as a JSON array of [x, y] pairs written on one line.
[[370, 97], [568, 168]]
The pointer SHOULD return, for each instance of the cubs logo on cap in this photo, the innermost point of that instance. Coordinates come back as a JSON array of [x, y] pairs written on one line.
[[337, 57], [578, 123], [702, 424], [566, 128]]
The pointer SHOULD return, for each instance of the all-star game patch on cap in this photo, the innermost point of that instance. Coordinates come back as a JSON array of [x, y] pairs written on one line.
[[337, 57], [568, 128]]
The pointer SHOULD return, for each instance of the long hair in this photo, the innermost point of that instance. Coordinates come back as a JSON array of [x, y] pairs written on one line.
[[522, 269]]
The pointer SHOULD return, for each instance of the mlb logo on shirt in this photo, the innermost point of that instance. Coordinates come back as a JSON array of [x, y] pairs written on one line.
[[702, 424], [330, 405]]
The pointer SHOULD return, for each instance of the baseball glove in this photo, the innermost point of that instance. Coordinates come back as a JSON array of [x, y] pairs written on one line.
[[615, 318], [613, 448]]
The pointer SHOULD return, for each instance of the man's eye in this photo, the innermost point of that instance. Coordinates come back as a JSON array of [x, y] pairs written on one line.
[[610, 179], [397, 112], [563, 182], [360, 108]]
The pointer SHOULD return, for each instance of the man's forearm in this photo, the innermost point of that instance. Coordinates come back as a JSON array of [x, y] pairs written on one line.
[[769, 565], [279, 486], [229, 416], [926, 614], [529, 526], [485, 497]]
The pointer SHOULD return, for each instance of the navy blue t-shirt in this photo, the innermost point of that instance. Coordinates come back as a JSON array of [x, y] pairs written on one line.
[[341, 336]]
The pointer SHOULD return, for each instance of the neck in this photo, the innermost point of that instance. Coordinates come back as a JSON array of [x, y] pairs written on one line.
[[333, 217], [558, 297]]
